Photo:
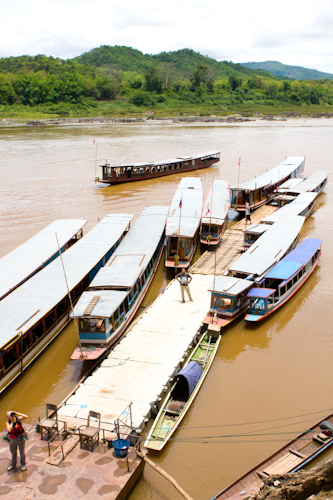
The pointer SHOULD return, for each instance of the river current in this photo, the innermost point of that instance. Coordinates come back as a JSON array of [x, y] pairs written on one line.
[[268, 382]]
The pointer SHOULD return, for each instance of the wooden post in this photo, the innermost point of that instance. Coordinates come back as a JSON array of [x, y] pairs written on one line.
[[166, 475]]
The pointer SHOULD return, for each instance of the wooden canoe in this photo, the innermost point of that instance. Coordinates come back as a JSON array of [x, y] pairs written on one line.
[[175, 406]]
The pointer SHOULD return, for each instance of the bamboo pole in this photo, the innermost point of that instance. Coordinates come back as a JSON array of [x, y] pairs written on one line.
[[166, 475]]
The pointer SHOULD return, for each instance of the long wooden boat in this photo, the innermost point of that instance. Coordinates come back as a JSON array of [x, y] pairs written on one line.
[[36, 312], [141, 171], [229, 293], [262, 189], [182, 228], [214, 213], [105, 310], [26, 260], [185, 387], [292, 457], [314, 184], [283, 280], [304, 204]]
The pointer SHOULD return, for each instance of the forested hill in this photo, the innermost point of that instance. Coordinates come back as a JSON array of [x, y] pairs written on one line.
[[121, 80], [183, 62], [286, 71]]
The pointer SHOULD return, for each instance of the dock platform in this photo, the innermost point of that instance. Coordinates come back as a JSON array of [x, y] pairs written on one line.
[[218, 259], [140, 368], [83, 474]]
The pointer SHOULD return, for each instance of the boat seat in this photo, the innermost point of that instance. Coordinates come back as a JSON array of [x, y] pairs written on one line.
[[321, 438]]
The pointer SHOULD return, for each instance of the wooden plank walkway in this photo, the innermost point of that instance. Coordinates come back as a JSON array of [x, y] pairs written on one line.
[[218, 259], [256, 217]]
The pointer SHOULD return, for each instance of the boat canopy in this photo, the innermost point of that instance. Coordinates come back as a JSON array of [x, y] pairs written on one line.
[[290, 183], [134, 253], [29, 303], [256, 229], [296, 259], [296, 207], [32, 255], [273, 176], [262, 293], [229, 285], [217, 203], [167, 162], [270, 247], [186, 380], [185, 209], [309, 184], [106, 302]]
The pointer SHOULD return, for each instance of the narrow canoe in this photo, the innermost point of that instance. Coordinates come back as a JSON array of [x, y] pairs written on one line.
[[185, 387]]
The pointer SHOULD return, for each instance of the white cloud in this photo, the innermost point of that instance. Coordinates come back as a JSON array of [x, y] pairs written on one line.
[[290, 32]]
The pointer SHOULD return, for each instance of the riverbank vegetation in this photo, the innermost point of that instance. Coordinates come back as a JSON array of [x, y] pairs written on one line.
[[120, 81]]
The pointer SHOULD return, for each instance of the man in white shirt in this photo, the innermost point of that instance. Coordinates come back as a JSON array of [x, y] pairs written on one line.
[[184, 279]]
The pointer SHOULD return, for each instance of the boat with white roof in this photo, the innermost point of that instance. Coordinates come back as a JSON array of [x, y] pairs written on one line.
[[315, 184], [26, 260], [130, 172], [262, 189], [36, 312], [214, 213], [304, 204], [105, 310], [229, 293], [182, 228], [283, 280]]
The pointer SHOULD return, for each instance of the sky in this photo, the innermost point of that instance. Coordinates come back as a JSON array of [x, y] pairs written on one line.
[[289, 31]]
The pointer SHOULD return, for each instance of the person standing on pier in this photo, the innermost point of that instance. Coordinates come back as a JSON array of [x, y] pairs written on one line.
[[184, 279], [16, 437], [247, 212]]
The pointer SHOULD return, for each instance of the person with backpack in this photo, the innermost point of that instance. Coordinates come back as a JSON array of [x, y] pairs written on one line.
[[16, 438]]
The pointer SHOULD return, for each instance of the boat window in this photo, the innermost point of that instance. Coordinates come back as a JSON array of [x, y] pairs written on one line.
[[181, 243], [9, 358]]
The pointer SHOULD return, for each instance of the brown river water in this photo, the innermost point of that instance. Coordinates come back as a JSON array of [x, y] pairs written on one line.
[[272, 380]]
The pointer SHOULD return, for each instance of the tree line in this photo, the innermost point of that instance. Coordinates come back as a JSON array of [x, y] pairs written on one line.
[[41, 80]]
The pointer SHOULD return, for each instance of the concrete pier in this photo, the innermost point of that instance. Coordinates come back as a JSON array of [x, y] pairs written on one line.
[[139, 369]]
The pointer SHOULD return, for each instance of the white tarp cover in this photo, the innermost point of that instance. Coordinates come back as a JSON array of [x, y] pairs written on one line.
[[19, 264], [185, 209], [217, 203], [36, 297]]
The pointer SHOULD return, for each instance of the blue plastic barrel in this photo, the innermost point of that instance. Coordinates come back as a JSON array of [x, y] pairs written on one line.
[[121, 447]]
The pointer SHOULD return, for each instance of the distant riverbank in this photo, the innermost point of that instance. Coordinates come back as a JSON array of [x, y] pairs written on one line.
[[229, 119]]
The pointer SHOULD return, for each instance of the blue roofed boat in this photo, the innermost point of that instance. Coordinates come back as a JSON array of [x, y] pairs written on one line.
[[229, 297], [37, 311], [105, 310], [283, 280], [26, 260]]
